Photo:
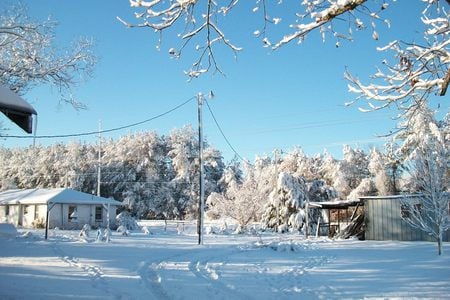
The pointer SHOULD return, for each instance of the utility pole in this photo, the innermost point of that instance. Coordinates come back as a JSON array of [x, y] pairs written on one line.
[[99, 168], [201, 204]]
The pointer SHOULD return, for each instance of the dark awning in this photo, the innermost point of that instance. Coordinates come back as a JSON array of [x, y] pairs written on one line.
[[16, 109]]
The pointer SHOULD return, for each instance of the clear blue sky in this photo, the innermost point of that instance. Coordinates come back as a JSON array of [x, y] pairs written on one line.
[[267, 100]]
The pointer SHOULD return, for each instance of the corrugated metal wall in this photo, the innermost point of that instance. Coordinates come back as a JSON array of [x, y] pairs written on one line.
[[383, 222]]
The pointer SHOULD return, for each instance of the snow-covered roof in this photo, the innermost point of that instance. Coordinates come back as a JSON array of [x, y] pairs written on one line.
[[49, 196], [390, 197], [12, 101], [16, 109], [335, 204]]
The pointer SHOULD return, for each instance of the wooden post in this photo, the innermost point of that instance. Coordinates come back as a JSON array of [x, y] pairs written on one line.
[[339, 220], [318, 227], [307, 220], [49, 207], [46, 223]]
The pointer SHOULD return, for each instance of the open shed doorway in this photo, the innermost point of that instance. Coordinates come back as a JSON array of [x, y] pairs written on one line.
[[344, 218]]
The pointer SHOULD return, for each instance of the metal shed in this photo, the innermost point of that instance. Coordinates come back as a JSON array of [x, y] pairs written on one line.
[[383, 220]]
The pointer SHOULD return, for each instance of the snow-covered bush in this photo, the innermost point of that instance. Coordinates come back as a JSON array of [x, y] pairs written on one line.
[[124, 219], [146, 230], [84, 233], [123, 230]]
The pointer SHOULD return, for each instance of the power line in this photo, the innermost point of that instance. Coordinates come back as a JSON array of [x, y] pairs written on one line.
[[223, 134], [102, 131]]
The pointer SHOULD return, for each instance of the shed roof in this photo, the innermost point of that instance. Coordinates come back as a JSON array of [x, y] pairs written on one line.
[[52, 196], [335, 204], [391, 197]]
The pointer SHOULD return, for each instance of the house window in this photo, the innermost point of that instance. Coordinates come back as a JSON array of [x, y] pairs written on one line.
[[98, 213], [7, 210], [26, 209], [72, 214]]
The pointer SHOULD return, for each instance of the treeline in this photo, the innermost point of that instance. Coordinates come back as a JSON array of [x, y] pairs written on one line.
[[153, 175], [157, 176]]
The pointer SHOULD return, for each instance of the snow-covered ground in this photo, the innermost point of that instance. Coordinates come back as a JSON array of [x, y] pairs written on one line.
[[170, 265]]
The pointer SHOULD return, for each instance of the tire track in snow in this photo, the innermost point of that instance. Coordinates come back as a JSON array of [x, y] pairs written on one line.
[[151, 280], [94, 273], [205, 270], [200, 266]]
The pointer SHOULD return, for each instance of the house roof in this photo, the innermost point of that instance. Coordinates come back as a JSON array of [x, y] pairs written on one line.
[[52, 196], [16, 109]]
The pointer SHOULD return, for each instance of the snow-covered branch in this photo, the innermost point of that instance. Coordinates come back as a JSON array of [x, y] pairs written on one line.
[[28, 57], [415, 71], [184, 16], [160, 15]]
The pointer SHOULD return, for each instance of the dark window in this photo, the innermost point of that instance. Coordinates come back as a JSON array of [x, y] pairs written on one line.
[[26, 209], [98, 213], [7, 210], [72, 214]]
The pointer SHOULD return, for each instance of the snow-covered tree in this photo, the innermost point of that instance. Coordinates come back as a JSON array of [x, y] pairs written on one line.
[[430, 211], [28, 56], [241, 201], [285, 209], [350, 171], [378, 169], [232, 174]]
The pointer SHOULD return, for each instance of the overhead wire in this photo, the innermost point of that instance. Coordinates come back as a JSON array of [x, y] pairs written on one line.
[[100, 131], [223, 134]]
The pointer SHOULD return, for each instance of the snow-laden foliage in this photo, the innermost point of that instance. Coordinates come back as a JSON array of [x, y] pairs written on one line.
[[349, 172], [429, 169], [141, 170], [378, 168], [415, 70], [200, 25], [243, 198], [285, 209], [29, 57]]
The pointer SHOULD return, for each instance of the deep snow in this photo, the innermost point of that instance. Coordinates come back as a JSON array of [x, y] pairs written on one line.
[[170, 265]]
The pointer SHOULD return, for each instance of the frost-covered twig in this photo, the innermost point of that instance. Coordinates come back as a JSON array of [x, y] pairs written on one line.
[[160, 15], [415, 71], [28, 57]]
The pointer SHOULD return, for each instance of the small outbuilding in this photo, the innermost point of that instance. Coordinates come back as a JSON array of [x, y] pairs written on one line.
[[384, 220], [64, 208]]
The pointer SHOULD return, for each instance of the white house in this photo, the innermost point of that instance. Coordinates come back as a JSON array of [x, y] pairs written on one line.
[[66, 208]]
